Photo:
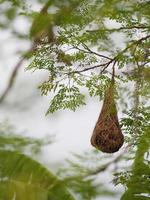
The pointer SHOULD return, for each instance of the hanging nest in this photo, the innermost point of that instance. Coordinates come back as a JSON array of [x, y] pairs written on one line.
[[107, 135]]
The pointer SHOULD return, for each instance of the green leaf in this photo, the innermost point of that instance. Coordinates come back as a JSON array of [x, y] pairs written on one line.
[[66, 98], [27, 179], [138, 185]]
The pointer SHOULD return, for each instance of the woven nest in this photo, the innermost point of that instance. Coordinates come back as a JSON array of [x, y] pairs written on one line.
[[107, 135]]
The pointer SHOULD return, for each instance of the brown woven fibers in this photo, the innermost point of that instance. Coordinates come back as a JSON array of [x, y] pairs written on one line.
[[107, 135]]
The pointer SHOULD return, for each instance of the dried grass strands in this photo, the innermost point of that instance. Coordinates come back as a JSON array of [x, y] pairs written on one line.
[[107, 135]]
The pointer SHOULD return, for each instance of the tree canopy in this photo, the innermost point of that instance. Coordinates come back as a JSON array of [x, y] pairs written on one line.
[[81, 45]]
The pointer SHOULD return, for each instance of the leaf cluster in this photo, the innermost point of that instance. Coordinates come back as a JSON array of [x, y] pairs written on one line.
[[23, 177]]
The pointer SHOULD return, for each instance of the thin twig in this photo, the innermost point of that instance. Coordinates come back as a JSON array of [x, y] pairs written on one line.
[[105, 166], [93, 67], [20, 62], [102, 168], [14, 74], [93, 52], [119, 29], [137, 42]]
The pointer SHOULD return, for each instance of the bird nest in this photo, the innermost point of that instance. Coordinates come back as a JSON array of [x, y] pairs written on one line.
[[107, 135]]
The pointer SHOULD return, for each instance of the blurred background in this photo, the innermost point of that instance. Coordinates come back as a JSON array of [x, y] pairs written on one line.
[[23, 111]]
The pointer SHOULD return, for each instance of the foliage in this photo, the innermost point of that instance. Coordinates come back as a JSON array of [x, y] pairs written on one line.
[[138, 185], [21, 176], [82, 177], [11, 140], [79, 50], [139, 173], [82, 55], [25, 178]]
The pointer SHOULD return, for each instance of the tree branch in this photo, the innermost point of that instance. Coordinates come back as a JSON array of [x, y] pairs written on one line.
[[115, 160], [22, 59], [121, 28], [93, 52], [100, 169], [14, 74], [137, 42]]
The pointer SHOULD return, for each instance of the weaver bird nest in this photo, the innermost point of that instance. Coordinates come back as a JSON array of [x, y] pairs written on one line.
[[107, 135]]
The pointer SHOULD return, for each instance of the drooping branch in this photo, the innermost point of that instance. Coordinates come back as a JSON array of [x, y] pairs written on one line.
[[14, 74], [20, 62]]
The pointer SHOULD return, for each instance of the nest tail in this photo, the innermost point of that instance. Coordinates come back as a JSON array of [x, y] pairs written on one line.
[[107, 135]]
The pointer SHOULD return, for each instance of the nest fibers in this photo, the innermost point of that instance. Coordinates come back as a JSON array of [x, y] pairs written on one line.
[[107, 135]]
